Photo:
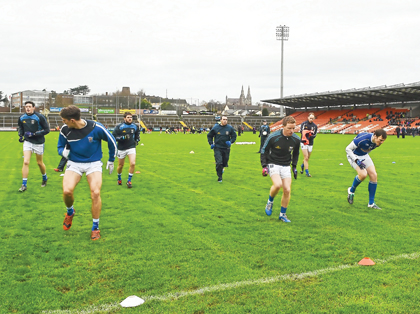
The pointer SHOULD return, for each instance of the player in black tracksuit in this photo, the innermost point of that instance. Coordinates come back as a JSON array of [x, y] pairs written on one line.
[[264, 133], [32, 128], [220, 138], [127, 135], [276, 158]]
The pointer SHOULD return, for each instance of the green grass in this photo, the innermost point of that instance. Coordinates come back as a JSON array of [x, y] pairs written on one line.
[[178, 230]]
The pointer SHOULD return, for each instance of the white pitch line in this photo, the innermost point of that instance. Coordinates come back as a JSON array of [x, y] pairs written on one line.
[[234, 285]]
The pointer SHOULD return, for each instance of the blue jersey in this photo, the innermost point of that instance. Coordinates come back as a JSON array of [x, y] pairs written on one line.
[[361, 145], [85, 143]]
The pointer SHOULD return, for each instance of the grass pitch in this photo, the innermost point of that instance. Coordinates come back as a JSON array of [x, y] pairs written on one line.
[[178, 231]]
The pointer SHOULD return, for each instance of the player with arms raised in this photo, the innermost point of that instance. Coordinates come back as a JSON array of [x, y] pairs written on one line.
[[358, 156], [275, 160]]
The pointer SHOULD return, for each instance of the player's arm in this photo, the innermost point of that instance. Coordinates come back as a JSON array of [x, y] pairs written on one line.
[[265, 150], [61, 145], [301, 130], [105, 135], [211, 135], [45, 128], [295, 154], [315, 131], [137, 134], [117, 133], [233, 136], [21, 131], [350, 149]]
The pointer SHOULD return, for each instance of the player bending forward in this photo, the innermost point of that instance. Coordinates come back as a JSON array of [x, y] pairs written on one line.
[[358, 157]]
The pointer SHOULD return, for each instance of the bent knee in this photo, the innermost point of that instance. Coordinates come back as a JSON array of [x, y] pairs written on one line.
[[95, 193]]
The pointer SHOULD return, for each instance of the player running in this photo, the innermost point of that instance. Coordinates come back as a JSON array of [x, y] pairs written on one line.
[[127, 135], [275, 160], [308, 131], [80, 141], [220, 138], [32, 128], [358, 157]]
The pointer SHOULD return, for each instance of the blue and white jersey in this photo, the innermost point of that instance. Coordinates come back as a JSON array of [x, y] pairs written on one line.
[[361, 145], [85, 143]]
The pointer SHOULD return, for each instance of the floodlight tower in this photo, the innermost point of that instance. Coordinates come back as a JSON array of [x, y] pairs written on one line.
[[282, 33]]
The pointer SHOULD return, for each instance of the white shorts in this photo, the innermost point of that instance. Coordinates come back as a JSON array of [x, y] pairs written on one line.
[[123, 153], [367, 161], [308, 147], [84, 167], [34, 148], [282, 171]]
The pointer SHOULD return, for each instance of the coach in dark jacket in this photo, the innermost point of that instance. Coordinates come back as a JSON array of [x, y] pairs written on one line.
[[220, 138]]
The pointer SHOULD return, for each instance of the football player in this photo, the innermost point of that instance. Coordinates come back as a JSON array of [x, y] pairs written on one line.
[[32, 128], [275, 160], [308, 131], [264, 132], [80, 142], [127, 135], [220, 138], [358, 156]]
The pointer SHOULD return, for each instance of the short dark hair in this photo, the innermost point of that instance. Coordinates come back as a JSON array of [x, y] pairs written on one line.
[[127, 114], [380, 132], [288, 119], [70, 112], [30, 102]]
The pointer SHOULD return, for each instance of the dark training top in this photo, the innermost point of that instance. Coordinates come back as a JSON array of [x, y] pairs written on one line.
[[35, 123], [221, 135], [277, 149], [130, 133], [264, 128], [311, 128]]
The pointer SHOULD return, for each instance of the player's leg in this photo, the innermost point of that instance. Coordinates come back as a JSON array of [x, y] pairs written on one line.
[[25, 169], [42, 168], [275, 188], [373, 183], [70, 180], [218, 157], [361, 175], [285, 198], [121, 160], [132, 160], [95, 183], [306, 155]]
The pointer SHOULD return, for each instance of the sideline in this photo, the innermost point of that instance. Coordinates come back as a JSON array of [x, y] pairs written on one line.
[[226, 286]]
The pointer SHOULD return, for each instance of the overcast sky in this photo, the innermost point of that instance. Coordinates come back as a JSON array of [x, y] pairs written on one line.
[[202, 50]]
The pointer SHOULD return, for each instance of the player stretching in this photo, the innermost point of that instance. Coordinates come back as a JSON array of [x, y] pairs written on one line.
[[358, 157], [127, 135], [308, 130], [80, 142], [276, 159], [32, 126]]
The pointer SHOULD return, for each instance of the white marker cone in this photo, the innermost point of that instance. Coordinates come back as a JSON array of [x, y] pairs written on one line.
[[132, 301]]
